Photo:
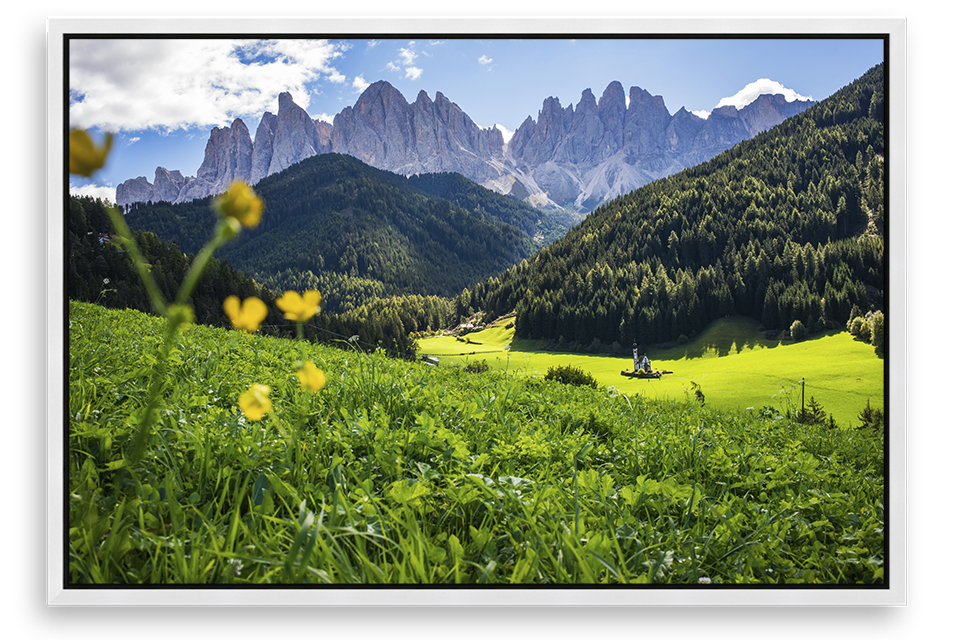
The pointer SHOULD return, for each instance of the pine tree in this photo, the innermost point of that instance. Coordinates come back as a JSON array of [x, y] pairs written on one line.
[[771, 310]]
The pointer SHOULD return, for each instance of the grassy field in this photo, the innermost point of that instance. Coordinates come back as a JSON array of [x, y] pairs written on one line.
[[400, 473], [735, 366]]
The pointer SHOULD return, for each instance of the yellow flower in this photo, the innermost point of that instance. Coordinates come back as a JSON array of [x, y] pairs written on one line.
[[311, 377], [254, 401], [246, 316], [86, 157], [297, 308], [241, 203]]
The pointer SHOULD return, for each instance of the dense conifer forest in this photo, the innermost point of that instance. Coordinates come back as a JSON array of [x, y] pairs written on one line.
[[99, 271], [543, 225]]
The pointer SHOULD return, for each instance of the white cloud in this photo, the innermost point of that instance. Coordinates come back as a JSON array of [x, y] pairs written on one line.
[[408, 56], [337, 77], [94, 191], [484, 59], [701, 114], [359, 84], [175, 84], [507, 133], [404, 63], [131, 141], [762, 86]]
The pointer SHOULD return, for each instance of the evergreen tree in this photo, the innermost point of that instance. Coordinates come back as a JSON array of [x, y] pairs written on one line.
[[771, 310]]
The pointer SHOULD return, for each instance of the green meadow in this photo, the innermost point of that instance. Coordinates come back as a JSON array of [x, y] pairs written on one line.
[[401, 473], [735, 367]]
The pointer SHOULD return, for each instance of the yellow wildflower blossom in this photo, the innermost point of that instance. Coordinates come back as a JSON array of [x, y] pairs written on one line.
[[254, 402], [311, 377], [299, 308], [246, 316], [240, 203], [86, 157]]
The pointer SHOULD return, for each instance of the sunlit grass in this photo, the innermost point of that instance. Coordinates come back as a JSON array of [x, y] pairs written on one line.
[[735, 366], [397, 472]]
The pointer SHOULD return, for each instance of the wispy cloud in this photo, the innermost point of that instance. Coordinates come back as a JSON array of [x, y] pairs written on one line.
[[130, 84], [484, 59], [404, 63]]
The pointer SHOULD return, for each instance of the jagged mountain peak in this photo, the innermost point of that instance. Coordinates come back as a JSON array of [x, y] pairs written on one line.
[[587, 101], [614, 94], [575, 156], [381, 91]]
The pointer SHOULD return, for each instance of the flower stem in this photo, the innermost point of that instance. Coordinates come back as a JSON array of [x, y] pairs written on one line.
[[197, 266], [130, 245], [153, 397]]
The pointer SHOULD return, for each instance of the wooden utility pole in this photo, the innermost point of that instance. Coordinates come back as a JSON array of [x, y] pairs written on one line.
[[802, 385]]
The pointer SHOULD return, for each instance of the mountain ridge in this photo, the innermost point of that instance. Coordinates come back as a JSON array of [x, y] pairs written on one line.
[[333, 213], [573, 157]]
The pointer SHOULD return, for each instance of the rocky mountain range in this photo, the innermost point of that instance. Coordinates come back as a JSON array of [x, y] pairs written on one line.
[[575, 156]]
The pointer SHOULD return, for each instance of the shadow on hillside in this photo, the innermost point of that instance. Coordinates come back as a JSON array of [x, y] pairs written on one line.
[[726, 346], [733, 346], [723, 337]]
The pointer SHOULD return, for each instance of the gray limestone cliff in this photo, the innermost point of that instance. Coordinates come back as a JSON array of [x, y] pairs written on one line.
[[281, 140], [582, 156], [575, 156], [429, 136]]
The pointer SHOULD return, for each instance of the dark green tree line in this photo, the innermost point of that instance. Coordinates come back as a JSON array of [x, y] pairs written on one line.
[[98, 270]]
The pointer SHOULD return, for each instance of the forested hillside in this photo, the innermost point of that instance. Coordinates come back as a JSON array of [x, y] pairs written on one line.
[[543, 225], [332, 214], [99, 271], [787, 226]]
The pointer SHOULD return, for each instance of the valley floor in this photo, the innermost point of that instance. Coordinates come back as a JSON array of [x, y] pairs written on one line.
[[735, 367]]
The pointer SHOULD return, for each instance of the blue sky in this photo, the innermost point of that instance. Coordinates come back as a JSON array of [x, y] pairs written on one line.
[[160, 98]]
